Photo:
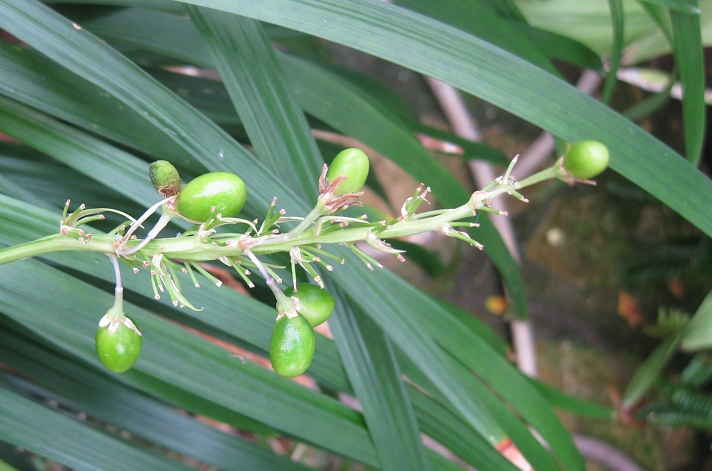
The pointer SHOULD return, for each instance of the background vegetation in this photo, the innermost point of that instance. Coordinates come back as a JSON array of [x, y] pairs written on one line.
[[91, 92]]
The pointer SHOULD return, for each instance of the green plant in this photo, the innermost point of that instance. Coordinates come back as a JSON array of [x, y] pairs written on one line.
[[94, 94], [206, 198], [658, 394]]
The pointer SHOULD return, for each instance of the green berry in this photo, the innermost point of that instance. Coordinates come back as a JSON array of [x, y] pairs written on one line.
[[212, 193], [165, 177], [317, 304], [350, 163], [117, 346], [586, 159], [292, 346]]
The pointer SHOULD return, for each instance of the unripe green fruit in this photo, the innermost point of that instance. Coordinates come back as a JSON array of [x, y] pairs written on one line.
[[350, 163], [165, 177], [222, 190], [586, 159], [117, 350], [292, 346], [317, 304]]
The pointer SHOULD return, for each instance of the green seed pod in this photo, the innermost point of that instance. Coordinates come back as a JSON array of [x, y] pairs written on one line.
[[350, 163], [317, 304], [586, 159], [118, 350], [165, 177], [224, 191], [292, 346]]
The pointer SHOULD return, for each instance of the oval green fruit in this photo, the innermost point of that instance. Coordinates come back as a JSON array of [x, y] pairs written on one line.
[[118, 350], [586, 159], [317, 304], [224, 191], [292, 346], [350, 163]]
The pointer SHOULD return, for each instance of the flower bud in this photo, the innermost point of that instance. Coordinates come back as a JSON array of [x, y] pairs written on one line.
[[165, 178]]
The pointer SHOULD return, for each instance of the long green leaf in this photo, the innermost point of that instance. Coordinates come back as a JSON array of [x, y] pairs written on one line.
[[483, 23], [687, 46], [698, 335], [51, 434], [614, 60], [682, 6], [180, 358], [78, 149], [86, 55], [373, 369], [516, 36], [324, 95], [438, 365], [275, 125], [25, 75], [248, 319], [249, 69], [496, 76], [77, 387], [650, 370]]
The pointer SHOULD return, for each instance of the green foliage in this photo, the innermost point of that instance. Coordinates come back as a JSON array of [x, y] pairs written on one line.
[[685, 400], [85, 90]]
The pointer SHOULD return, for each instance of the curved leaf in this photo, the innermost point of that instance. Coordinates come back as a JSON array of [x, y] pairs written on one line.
[[79, 388], [54, 435], [370, 360], [687, 45], [435, 49]]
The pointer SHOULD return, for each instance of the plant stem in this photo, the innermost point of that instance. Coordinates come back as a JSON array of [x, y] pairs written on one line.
[[546, 174], [193, 249]]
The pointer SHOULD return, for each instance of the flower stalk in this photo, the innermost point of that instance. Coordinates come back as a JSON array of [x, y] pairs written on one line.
[[312, 231]]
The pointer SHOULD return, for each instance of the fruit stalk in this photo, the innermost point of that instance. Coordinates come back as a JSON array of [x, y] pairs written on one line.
[[195, 249]]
